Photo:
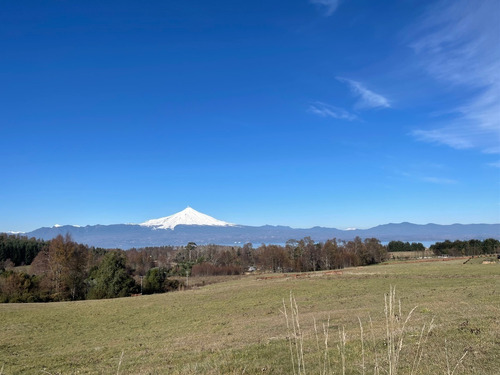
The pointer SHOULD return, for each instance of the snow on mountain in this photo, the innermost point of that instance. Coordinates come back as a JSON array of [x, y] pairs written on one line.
[[188, 216]]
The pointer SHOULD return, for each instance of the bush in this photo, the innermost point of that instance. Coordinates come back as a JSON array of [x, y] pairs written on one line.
[[19, 287]]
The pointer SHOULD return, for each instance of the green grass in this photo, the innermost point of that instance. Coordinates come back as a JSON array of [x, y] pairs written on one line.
[[236, 327]]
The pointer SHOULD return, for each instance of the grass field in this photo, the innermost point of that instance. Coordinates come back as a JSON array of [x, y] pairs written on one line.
[[411, 254], [236, 327]]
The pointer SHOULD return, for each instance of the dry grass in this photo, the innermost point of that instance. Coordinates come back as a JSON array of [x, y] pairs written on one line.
[[236, 327], [395, 326], [401, 255]]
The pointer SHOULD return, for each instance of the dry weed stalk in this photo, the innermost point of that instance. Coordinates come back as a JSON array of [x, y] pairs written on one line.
[[395, 329], [296, 338], [326, 363], [376, 368], [424, 335], [395, 332], [323, 353], [362, 346], [120, 363], [448, 361], [341, 347]]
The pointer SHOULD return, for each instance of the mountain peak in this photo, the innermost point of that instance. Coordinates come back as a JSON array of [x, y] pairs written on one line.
[[188, 216]]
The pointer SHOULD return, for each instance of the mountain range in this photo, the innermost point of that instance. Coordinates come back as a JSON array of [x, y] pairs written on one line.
[[190, 225]]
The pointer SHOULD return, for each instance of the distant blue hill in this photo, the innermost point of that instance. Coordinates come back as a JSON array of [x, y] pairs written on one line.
[[126, 236]]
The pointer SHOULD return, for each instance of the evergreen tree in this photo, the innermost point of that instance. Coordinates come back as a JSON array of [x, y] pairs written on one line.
[[111, 278], [154, 282]]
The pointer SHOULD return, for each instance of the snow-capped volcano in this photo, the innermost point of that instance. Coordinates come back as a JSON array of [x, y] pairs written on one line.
[[188, 216]]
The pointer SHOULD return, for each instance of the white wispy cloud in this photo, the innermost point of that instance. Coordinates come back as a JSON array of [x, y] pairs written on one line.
[[451, 136], [439, 180], [457, 43], [495, 164], [326, 110], [366, 98], [329, 6], [425, 172]]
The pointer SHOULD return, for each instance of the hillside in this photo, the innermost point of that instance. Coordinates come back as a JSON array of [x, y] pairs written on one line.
[[236, 327]]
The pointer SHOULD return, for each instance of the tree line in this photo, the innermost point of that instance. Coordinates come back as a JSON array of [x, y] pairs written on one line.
[[397, 246], [306, 255], [20, 250], [61, 269], [466, 248], [296, 256], [64, 270]]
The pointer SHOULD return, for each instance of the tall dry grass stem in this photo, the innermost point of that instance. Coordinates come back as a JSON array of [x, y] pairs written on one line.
[[376, 368], [395, 333], [395, 329], [300, 348], [324, 359], [424, 335], [296, 338], [120, 363], [362, 346], [341, 347], [320, 354], [326, 365], [290, 338], [448, 361]]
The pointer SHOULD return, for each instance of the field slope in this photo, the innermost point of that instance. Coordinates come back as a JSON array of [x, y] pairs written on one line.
[[236, 327]]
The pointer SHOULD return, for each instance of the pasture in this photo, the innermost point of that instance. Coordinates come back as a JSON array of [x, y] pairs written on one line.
[[238, 326]]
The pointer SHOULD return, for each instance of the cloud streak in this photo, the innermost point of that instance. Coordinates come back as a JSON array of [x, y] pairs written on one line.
[[326, 110], [329, 6], [367, 99], [426, 173], [439, 180], [457, 43]]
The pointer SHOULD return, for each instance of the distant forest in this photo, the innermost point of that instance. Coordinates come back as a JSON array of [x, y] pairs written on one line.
[[466, 248], [62, 270], [20, 250]]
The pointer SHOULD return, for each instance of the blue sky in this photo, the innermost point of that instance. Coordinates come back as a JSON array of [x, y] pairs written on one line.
[[303, 112]]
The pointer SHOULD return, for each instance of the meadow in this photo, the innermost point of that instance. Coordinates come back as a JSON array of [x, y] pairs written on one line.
[[238, 326]]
